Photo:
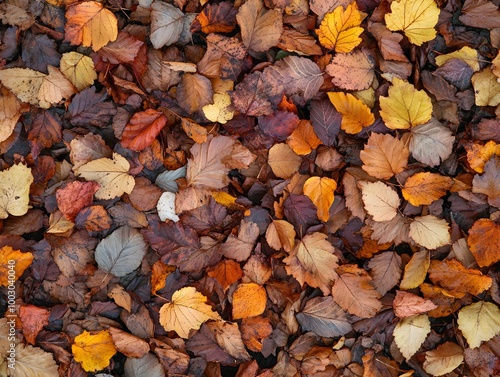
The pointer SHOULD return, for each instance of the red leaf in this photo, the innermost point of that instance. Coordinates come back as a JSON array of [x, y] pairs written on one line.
[[142, 129]]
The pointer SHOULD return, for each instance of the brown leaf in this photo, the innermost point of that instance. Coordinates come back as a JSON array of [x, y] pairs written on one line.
[[123, 50], [216, 18], [352, 71], [484, 242], [129, 345], [193, 92], [488, 182], [249, 96], [239, 248], [384, 156], [294, 41], [385, 269], [93, 219], [481, 14], [74, 197], [407, 304], [33, 319], [254, 330]]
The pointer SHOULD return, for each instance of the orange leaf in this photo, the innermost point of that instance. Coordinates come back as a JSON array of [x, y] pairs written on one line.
[[478, 154], [453, 276], [384, 156], [321, 191], [284, 162], [424, 188], [254, 330], [90, 24], [281, 234], [143, 129], [303, 139], [484, 242], [10, 257], [194, 130], [355, 114], [93, 352], [33, 319], [249, 300], [159, 274], [216, 18], [416, 270], [226, 272]]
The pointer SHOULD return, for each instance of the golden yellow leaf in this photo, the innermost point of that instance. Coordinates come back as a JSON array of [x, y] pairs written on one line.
[[303, 139], [219, 111], [340, 29], [467, 54], [486, 88], [21, 262], [380, 200], [410, 333], [281, 234], [430, 232], [93, 352], [478, 155], [405, 106], [249, 300], [14, 190], [111, 174], [424, 188], [90, 24], [321, 191], [416, 270], [416, 18], [186, 311], [226, 200], [384, 156], [78, 69], [479, 322], [355, 114], [25, 83], [284, 162]]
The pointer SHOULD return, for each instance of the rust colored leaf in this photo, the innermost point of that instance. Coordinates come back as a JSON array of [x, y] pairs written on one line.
[[74, 197], [33, 319], [484, 242], [142, 129], [216, 18]]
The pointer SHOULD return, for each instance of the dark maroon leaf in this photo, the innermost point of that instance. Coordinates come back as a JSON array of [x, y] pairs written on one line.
[[249, 97], [39, 51], [457, 72], [44, 131], [326, 121], [280, 125], [89, 108], [301, 212], [438, 86]]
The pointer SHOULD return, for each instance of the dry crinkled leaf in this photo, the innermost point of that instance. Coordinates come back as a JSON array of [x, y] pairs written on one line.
[[380, 200], [34, 362], [430, 231], [261, 28], [75, 197], [486, 88], [123, 50], [249, 300], [321, 191], [355, 114], [479, 322], [385, 270], [407, 304], [484, 242], [186, 311], [354, 292], [340, 29], [121, 252], [410, 333], [78, 69], [416, 270], [415, 18], [467, 54], [405, 107], [281, 234], [353, 199], [283, 160], [128, 344], [384, 156], [21, 262], [15, 12], [111, 174], [303, 139], [313, 261], [193, 92], [488, 182], [15, 185], [93, 351], [90, 24], [353, 71], [454, 277], [431, 143], [444, 359], [425, 187], [166, 24], [216, 18]]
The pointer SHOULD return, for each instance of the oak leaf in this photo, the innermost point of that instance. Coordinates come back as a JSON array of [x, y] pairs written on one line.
[[186, 311], [416, 19], [313, 261], [15, 185], [21, 262], [166, 24], [249, 300], [340, 29], [405, 107], [407, 304], [78, 69], [90, 24], [93, 351], [384, 156], [410, 333], [355, 114], [424, 188], [430, 232], [142, 129], [484, 242], [380, 200], [479, 322], [321, 191], [444, 359]]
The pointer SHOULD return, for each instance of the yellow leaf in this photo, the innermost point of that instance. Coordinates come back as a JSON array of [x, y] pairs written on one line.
[[283, 160], [340, 29], [90, 24], [467, 54], [220, 111], [479, 322], [405, 106], [424, 188], [25, 83], [380, 200], [196, 132], [486, 88], [249, 300], [478, 155], [226, 200], [430, 232], [186, 311], [93, 352], [21, 262], [321, 191], [281, 234], [111, 174], [384, 156], [303, 139], [78, 69], [410, 333], [416, 18], [416, 270], [355, 114], [444, 359], [14, 190]]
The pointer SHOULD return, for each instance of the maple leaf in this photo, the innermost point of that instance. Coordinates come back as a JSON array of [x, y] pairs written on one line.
[[93, 351], [186, 311], [410, 333], [340, 29], [321, 192], [384, 156], [90, 24]]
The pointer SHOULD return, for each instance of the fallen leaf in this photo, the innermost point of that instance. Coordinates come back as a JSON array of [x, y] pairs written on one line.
[[78, 69], [352, 71], [488, 182], [380, 200], [226, 272], [186, 311], [21, 262], [239, 248], [93, 351], [486, 88], [416, 270], [416, 19], [148, 365], [431, 143], [159, 273], [385, 270], [254, 331], [294, 41], [340, 29], [283, 160], [220, 110], [303, 139], [216, 18], [128, 344], [444, 359], [484, 242], [405, 107], [384, 156], [410, 333], [430, 231], [281, 234], [15, 185], [193, 92], [142, 129], [326, 121], [75, 197], [425, 187], [480, 14], [249, 300], [34, 361], [15, 13], [166, 24], [33, 319], [407, 304], [479, 322], [355, 114], [123, 50], [321, 191], [478, 154], [466, 53], [10, 112]]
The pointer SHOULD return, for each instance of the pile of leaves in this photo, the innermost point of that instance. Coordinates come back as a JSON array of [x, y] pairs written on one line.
[[251, 188]]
